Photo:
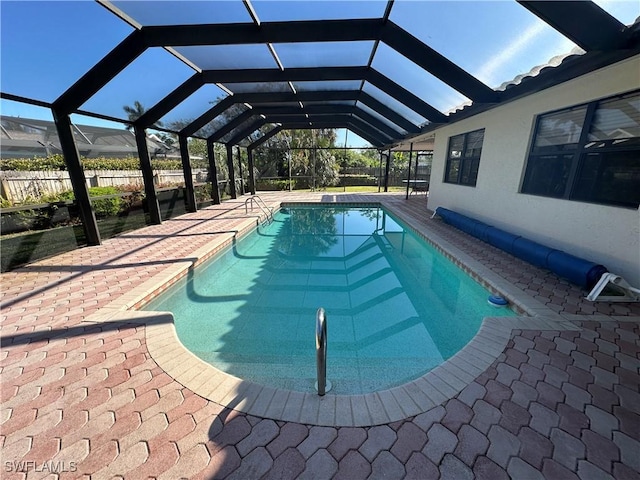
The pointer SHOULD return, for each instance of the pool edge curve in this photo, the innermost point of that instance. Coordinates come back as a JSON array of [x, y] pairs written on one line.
[[381, 407], [426, 392]]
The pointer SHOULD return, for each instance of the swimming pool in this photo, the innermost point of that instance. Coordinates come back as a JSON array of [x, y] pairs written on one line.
[[396, 307]]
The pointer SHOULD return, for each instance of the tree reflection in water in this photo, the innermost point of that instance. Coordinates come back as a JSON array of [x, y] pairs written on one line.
[[308, 232], [312, 232]]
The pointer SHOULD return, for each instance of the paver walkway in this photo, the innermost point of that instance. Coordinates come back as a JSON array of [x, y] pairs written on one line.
[[84, 400]]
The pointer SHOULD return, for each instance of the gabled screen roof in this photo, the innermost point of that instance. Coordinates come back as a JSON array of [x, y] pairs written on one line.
[[386, 70]]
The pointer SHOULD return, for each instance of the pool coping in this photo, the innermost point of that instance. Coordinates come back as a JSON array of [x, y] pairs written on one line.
[[420, 395]]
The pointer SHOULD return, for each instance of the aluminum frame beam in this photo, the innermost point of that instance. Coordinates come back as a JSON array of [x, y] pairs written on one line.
[[333, 109], [245, 132], [207, 116], [77, 177], [213, 173], [265, 137], [338, 120], [190, 193], [365, 134], [101, 73], [436, 64], [228, 127], [305, 125], [584, 23], [232, 172], [256, 98], [267, 32], [268, 75], [151, 195], [309, 74], [171, 101], [324, 31]]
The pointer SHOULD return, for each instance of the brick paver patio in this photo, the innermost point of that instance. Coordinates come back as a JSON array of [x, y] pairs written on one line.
[[84, 399]]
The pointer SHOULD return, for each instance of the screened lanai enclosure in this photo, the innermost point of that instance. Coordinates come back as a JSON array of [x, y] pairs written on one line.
[[223, 98]]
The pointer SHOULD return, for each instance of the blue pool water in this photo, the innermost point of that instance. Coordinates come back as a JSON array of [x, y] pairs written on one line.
[[396, 308]]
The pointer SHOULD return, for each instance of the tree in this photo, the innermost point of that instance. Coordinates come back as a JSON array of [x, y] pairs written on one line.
[[351, 158], [370, 157], [277, 155], [167, 139], [307, 152], [134, 112]]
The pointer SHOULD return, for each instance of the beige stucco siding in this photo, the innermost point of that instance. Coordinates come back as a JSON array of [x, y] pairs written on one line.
[[604, 234]]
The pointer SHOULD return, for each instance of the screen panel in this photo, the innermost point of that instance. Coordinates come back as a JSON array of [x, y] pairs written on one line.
[[250, 87], [626, 12], [195, 105], [327, 85], [149, 13], [324, 54], [394, 104], [417, 80], [493, 41], [382, 118], [48, 46], [228, 57], [272, 11], [147, 80], [27, 131]]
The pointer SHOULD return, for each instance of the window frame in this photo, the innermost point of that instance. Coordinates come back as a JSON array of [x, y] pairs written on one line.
[[464, 161], [579, 155]]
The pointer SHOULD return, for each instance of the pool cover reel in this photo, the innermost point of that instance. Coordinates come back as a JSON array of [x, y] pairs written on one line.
[[578, 270]]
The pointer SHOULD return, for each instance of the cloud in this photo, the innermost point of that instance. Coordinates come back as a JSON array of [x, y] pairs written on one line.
[[493, 71]]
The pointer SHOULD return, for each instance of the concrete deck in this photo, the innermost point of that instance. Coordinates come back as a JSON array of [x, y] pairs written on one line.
[[91, 387]]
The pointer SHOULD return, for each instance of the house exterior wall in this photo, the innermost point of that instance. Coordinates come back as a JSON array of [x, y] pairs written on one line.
[[600, 233]]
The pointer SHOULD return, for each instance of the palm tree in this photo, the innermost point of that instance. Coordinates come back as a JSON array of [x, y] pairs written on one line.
[[133, 113]]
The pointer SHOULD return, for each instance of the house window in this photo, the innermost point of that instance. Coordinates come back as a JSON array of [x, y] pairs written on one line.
[[589, 153], [463, 158]]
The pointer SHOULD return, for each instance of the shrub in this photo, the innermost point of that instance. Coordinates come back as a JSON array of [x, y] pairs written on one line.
[[56, 162], [101, 163], [55, 197], [204, 193], [274, 184], [350, 180], [131, 202], [51, 162], [104, 207]]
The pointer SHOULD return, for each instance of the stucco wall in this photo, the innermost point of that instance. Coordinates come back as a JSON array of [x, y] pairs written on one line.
[[603, 234]]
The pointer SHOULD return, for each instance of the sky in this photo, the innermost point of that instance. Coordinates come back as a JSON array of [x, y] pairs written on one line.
[[47, 45]]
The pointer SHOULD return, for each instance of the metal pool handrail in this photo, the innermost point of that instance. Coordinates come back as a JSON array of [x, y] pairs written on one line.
[[263, 206], [321, 351]]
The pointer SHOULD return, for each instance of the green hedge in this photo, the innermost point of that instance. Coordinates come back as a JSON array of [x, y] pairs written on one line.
[[56, 162], [357, 180], [274, 185], [104, 207]]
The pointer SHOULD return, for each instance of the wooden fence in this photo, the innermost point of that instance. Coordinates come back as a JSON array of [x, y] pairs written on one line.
[[29, 186], [21, 186]]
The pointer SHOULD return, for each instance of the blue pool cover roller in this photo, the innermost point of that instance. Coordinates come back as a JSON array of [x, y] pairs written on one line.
[[497, 301], [577, 270]]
